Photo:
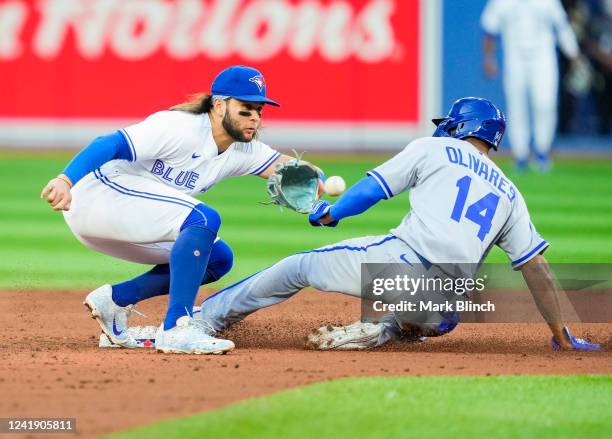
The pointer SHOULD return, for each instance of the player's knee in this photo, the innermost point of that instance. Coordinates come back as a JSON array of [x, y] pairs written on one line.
[[210, 215], [221, 261], [293, 271], [203, 216]]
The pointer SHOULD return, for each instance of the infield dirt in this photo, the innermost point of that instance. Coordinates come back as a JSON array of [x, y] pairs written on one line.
[[51, 366]]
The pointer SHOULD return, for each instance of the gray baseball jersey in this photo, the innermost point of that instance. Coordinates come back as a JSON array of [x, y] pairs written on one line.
[[462, 204]]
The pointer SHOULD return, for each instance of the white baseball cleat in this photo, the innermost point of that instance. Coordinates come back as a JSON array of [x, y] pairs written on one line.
[[357, 336], [190, 336], [113, 319], [144, 337]]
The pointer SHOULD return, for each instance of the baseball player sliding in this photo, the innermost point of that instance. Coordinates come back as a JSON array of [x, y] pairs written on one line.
[[462, 205], [130, 194]]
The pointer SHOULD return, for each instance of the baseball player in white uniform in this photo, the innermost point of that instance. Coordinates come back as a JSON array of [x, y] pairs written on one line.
[[462, 205], [130, 194], [529, 32]]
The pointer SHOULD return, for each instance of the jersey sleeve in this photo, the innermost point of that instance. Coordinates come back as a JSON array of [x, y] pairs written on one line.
[[400, 172], [519, 239], [491, 19], [253, 158], [156, 137]]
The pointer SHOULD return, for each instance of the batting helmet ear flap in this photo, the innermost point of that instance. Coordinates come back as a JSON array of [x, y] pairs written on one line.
[[442, 126], [473, 117]]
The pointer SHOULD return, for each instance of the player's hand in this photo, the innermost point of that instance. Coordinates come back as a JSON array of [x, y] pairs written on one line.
[[320, 188], [319, 215], [569, 342], [57, 193], [490, 67]]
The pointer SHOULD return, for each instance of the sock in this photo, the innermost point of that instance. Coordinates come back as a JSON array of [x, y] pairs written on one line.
[[188, 261], [150, 284], [220, 262], [156, 282]]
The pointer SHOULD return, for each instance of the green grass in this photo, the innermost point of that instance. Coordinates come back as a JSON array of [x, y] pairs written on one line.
[[500, 407], [572, 208]]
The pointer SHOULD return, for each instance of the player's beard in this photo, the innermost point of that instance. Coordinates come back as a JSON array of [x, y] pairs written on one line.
[[231, 126]]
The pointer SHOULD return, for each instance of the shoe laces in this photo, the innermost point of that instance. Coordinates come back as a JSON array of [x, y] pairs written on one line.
[[132, 309], [203, 325]]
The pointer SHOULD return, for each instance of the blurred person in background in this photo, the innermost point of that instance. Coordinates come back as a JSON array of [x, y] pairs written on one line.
[[530, 31], [585, 97], [575, 100], [598, 46]]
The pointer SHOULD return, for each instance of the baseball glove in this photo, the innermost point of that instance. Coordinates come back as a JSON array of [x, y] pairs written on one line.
[[294, 185]]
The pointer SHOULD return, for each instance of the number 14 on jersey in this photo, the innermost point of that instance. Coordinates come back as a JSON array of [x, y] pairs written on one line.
[[481, 212]]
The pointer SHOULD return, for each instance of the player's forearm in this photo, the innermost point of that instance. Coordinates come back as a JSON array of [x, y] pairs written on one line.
[[490, 63], [272, 168], [540, 281], [358, 198], [567, 41], [101, 150]]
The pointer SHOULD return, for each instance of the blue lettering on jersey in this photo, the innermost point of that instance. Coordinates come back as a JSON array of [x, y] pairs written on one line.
[[482, 170], [494, 177], [181, 178], [461, 162], [474, 164], [512, 194], [166, 175], [502, 183], [158, 167], [452, 154], [191, 180], [187, 179]]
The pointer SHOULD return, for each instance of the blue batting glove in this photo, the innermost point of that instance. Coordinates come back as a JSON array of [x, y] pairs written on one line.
[[318, 211], [577, 343]]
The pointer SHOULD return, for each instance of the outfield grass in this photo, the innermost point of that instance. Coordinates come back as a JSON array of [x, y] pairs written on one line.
[[572, 208], [500, 407]]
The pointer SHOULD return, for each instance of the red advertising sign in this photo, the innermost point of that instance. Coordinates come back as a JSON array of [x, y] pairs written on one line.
[[325, 61]]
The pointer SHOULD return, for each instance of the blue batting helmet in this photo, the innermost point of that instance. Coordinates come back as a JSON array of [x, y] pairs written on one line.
[[473, 117]]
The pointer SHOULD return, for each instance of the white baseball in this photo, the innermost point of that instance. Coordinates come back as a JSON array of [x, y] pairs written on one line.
[[334, 185]]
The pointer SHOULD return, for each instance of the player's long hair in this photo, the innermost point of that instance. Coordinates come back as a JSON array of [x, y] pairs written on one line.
[[199, 103]]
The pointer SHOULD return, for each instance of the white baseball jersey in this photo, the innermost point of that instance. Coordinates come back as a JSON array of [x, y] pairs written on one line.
[[134, 209], [528, 27], [461, 204], [177, 149]]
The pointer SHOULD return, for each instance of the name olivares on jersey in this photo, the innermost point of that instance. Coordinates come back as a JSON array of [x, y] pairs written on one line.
[[481, 169], [187, 179]]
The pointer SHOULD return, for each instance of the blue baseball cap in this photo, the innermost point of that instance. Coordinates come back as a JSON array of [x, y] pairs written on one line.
[[243, 83]]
